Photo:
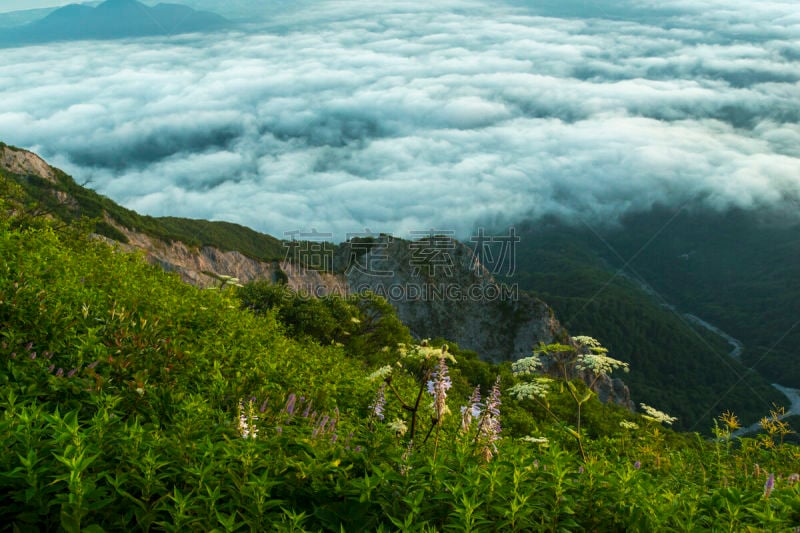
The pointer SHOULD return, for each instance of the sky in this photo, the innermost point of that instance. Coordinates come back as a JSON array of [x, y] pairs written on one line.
[[18, 5], [414, 115]]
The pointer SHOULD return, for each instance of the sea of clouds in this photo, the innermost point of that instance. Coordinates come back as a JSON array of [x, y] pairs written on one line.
[[412, 115]]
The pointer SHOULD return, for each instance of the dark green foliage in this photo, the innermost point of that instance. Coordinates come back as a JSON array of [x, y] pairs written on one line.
[[365, 324], [124, 393], [739, 270], [680, 367]]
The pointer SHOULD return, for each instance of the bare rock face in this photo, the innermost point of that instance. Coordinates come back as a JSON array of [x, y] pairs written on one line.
[[614, 390], [438, 291], [457, 298], [25, 163], [444, 291], [201, 267]]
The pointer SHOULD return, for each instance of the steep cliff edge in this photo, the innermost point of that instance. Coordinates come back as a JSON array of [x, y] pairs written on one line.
[[25, 163], [440, 289]]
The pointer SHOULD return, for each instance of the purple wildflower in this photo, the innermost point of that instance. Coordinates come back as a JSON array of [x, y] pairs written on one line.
[[264, 405], [49, 355], [489, 426], [637, 465], [307, 410], [357, 449], [93, 365], [580, 469], [334, 437], [13, 355], [404, 466], [51, 368], [33, 356], [379, 404], [471, 411], [247, 418], [438, 387], [72, 372], [321, 426], [59, 372], [290, 403], [769, 485], [29, 346]]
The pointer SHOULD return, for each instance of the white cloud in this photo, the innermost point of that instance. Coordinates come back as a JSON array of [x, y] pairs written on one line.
[[423, 115]]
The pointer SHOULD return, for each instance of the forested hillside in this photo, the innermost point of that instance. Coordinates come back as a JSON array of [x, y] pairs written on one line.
[[674, 362], [133, 401]]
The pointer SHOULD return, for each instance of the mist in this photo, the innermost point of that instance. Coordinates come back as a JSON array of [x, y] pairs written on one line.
[[417, 115]]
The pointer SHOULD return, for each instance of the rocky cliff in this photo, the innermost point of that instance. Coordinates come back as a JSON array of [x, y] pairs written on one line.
[[458, 300], [438, 285], [25, 163]]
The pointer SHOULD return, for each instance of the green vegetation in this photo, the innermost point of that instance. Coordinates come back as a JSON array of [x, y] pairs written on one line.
[[673, 364], [738, 270], [85, 203], [131, 401], [363, 323]]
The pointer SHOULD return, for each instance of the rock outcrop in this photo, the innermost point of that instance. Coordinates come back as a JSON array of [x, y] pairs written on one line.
[[458, 299], [25, 163], [439, 286], [441, 289]]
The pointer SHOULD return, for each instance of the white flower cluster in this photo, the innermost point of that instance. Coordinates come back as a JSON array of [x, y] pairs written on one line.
[[600, 364], [229, 280], [625, 424], [535, 440], [537, 388], [526, 366], [399, 426], [651, 413], [423, 351], [589, 342], [381, 374]]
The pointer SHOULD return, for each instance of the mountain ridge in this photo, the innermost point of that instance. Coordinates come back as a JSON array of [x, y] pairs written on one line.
[[113, 19], [673, 375], [525, 322]]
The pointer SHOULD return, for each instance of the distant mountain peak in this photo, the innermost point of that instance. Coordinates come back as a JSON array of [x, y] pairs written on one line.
[[111, 20], [116, 3]]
